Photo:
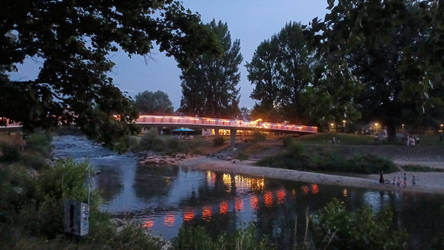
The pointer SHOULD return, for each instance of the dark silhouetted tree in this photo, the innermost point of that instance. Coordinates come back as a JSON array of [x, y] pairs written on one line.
[[392, 49], [74, 39], [209, 87], [157, 102]]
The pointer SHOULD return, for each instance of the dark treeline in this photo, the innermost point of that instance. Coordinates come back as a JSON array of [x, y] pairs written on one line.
[[366, 60]]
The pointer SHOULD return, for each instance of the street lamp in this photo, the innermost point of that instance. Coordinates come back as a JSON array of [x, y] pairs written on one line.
[[343, 125]]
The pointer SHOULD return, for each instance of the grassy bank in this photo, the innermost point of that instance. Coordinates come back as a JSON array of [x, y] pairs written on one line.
[[320, 159]]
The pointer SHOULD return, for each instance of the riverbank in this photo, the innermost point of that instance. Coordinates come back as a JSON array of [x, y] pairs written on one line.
[[430, 182]]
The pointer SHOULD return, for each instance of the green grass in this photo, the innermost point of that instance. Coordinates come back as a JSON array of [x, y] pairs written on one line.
[[420, 168], [430, 140], [341, 138], [319, 159]]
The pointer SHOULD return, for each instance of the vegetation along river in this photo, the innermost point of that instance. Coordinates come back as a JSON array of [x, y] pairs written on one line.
[[166, 198]]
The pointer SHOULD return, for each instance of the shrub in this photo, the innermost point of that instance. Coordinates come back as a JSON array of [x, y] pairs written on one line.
[[218, 141], [35, 161], [318, 159], [288, 140], [196, 238], [39, 143], [336, 228], [258, 137], [9, 153], [242, 156]]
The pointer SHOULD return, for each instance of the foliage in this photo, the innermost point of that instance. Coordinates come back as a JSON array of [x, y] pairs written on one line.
[[241, 155], [288, 140], [388, 49], [298, 157], [197, 239], [73, 39], [39, 143], [9, 152], [209, 86], [167, 144], [258, 137], [218, 141], [341, 138], [31, 211], [419, 168], [336, 228], [290, 83], [157, 102]]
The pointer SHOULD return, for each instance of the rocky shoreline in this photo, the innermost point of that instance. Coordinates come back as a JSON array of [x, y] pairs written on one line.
[[153, 159]]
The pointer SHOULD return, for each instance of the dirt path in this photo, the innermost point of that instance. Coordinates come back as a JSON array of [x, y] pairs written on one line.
[[429, 182]]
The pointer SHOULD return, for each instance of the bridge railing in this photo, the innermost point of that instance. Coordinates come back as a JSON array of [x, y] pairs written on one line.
[[214, 122]]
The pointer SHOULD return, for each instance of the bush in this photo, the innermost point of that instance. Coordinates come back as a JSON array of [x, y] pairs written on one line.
[[218, 141], [35, 161], [336, 228], [196, 238], [288, 140], [258, 137], [9, 153], [39, 143], [299, 157]]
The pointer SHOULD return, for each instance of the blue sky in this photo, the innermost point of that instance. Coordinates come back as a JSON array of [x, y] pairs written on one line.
[[251, 21]]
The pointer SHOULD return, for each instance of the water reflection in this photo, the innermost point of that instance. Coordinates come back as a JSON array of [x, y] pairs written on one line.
[[165, 199]]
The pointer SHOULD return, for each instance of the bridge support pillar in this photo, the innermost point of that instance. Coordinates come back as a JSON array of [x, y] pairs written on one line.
[[232, 137]]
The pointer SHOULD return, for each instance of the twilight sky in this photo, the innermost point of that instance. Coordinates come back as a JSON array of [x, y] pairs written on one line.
[[251, 21]]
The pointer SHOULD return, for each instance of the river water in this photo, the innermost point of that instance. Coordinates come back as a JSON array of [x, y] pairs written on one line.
[[166, 198]]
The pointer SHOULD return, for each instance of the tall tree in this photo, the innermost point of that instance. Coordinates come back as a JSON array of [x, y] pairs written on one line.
[[384, 45], [292, 82], [157, 102], [209, 86], [263, 73], [74, 39]]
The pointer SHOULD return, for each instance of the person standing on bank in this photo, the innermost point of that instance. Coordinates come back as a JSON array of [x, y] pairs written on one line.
[[381, 177]]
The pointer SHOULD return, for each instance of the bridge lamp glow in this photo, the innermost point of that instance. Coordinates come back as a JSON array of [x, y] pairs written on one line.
[[441, 125]]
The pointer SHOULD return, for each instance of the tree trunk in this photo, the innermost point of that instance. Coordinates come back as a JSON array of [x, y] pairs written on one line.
[[391, 132]]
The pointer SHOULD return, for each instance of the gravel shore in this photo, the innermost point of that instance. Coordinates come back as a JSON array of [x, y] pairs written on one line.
[[426, 182]]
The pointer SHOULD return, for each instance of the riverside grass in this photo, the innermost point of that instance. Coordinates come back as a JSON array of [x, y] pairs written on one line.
[[318, 159]]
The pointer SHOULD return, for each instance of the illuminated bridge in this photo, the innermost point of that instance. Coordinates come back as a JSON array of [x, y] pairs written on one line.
[[215, 123], [208, 123]]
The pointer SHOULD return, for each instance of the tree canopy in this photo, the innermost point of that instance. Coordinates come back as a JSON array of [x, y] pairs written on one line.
[[209, 86], [292, 82], [74, 39], [392, 50], [158, 102]]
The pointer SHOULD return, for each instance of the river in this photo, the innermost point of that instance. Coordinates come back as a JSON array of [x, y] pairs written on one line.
[[166, 198]]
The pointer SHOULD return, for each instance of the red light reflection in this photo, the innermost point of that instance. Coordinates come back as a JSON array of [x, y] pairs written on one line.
[[223, 207], [305, 189], [168, 220], [148, 223], [206, 213], [188, 215], [239, 204], [254, 201], [280, 194], [314, 188], [268, 199]]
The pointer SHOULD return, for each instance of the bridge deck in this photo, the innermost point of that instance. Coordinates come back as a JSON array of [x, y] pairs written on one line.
[[205, 122]]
